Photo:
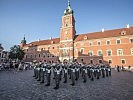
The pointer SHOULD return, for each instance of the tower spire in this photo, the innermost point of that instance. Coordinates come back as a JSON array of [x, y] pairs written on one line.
[[68, 9], [68, 2]]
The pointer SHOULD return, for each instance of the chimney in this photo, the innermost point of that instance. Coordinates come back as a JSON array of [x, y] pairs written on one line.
[[102, 29], [128, 26], [51, 38]]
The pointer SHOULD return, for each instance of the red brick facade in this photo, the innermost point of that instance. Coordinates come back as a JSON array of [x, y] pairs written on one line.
[[111, 46]]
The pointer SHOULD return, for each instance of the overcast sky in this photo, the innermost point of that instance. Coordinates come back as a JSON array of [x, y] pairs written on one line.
[[41, 19]]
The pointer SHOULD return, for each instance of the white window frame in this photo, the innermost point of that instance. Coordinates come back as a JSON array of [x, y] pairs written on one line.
[[120, 41], [107, 42], [107, 52], [131, 51], [111, 61], [98, 42], [82, 49], [98, 53], [90, 43], [124, 60], [130, 40], [90, 52], [118, 52]]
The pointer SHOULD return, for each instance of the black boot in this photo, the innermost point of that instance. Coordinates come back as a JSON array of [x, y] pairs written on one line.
[[64, 81], [57, 87], [72, 84], [47, 85], [42, 82]]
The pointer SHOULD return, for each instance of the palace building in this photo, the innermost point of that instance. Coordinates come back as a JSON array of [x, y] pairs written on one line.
[[107, 46]]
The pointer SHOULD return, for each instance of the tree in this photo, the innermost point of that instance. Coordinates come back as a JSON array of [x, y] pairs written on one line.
[[16, 52]]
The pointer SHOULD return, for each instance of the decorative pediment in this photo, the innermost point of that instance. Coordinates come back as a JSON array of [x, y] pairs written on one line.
[[85, 37], [123, 33]]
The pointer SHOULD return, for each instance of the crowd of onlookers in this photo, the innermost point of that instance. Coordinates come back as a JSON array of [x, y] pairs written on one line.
[[7, 66], [122, 68]]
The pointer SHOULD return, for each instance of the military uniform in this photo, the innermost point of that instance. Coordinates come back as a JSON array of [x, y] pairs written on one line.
[[65, 73], [48, 74], [43, 73], [77, 72], [103, 71], [73, 74], [84, 73], [57, 76], [92, 73]]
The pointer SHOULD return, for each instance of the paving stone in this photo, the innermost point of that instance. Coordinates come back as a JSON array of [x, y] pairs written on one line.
[[15, 85]]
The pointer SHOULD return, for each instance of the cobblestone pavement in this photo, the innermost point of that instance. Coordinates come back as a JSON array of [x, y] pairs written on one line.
[[16, 85]]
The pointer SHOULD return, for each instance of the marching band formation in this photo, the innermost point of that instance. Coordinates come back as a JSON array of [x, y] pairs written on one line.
[[65, 70]]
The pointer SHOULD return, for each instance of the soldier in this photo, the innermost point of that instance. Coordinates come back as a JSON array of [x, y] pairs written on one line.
[[43, 73], [34, 70], [57, 76], [39, 72], [84, 73], [73, 74], [77, 71], [92, 73], [118, 68], [69, 70], [106, 70], [103, 71], [88, 71], [65, 72], [109, 70], [97, 72], [48, 74]]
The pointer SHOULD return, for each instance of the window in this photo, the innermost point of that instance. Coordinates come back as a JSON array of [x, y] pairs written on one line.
[[99, 42], [110, 61], [91, 61], [131, 40], [100, 61], [90, 43], [81, 50], [108, 42], [131, 51], [100, 53], [109, 53], [39, 55], [48, 48], [66, 38], [119, 52], [123, 61], [25, 56], [90, 53], [82, 59], [118, 41], [85, 37]]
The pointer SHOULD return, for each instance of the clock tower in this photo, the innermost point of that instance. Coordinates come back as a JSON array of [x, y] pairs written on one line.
[[67, 34]]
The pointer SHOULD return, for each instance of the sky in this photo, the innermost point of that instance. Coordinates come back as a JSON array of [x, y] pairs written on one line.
[[41, 19]]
